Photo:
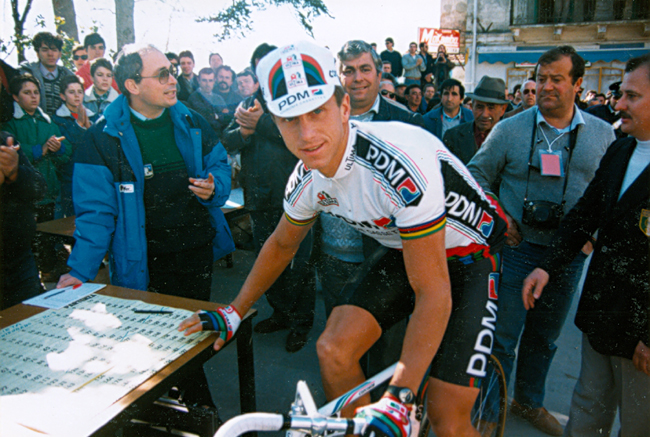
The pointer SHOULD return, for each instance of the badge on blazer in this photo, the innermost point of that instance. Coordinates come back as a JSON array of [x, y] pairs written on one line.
[[644, 222]]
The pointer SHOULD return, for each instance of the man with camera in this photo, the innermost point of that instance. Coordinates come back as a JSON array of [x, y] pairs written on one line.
[[545, 158]]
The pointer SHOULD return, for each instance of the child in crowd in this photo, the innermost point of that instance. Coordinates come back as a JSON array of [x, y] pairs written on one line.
[[73, 119], [42, 143], [100, 94]]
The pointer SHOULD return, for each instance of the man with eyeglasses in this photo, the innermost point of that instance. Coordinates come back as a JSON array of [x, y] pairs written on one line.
[[96, 48], [528, 98], [46, 70], [133, 174]]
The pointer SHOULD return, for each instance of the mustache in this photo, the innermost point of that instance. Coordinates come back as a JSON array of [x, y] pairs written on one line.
[[624, 114]]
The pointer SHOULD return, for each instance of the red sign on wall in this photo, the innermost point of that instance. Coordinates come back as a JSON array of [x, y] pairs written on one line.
[[435, 37]]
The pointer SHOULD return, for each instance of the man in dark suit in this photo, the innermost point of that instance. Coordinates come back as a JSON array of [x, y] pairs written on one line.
[[488, 106], [613, 309], [451, 112]]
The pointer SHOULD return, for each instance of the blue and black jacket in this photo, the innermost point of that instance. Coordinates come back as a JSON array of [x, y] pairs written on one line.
[[108, 190]]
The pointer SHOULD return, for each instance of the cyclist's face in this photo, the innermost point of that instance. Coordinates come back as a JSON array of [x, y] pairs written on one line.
[[318, 138]]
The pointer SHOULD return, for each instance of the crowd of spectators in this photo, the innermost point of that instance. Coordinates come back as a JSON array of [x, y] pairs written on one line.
[[67, 135]]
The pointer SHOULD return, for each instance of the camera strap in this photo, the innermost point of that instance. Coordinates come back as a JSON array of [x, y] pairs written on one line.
[[573, 137]]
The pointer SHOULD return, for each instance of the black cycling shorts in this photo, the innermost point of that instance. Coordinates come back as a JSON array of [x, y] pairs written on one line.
[[380, 286]]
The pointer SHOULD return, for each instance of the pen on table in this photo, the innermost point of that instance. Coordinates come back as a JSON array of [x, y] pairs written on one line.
[[152, 312], [74, 287]]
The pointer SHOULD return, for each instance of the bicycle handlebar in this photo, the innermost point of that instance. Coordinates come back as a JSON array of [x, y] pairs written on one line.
[[275, 422]]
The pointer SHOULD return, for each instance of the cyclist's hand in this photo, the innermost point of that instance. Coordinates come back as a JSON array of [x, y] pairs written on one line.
[[225, 320], [386, 418]]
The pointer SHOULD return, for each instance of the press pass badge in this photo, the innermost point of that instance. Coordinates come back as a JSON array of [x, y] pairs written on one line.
[[644, 222], [551, 163], [148, 171]]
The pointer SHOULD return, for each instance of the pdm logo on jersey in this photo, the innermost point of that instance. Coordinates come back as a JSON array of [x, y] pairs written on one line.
[[408, 190], [486, 224], [325, 199], [396, 174]]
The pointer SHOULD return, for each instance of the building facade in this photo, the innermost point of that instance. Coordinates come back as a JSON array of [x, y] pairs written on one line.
[[512, 34]]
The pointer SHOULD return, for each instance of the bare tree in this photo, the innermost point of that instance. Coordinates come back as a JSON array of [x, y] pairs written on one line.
[[19, 27], [65, 10], [124, 22]]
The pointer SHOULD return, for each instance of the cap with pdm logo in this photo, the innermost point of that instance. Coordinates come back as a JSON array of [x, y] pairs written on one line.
[[297, 78]]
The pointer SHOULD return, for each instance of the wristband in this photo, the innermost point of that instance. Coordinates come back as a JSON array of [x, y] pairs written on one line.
[[226, 320]]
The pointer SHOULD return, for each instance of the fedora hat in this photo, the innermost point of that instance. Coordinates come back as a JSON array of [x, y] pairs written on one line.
[[490, 90]]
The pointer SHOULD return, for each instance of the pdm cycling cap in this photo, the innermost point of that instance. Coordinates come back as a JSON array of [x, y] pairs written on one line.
[[297, 78]]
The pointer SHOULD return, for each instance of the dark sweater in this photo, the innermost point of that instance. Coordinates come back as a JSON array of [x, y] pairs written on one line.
[[175, 220]]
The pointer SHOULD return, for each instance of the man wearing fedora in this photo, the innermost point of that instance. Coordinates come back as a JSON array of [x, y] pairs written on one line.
[[488, 106], [545, 158]]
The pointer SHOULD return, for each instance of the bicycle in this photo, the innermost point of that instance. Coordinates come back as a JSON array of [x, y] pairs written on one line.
[[305, 419]]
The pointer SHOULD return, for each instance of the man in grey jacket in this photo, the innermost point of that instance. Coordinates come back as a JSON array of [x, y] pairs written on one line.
[[545, 158], [46, 70]]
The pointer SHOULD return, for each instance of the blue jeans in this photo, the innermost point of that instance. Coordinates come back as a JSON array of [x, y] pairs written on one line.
[[541, 326]]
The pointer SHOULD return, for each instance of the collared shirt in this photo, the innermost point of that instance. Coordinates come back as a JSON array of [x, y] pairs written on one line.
[[554, 138], [47, 74], [575, 121], [142, 117], [449, 122], [479, 136], [370, 113]]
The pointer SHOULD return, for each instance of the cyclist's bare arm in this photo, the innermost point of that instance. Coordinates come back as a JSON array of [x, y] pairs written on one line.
[[275, 256], [426, 266]]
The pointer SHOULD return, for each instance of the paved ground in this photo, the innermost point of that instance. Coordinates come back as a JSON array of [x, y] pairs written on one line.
[[278, 371]]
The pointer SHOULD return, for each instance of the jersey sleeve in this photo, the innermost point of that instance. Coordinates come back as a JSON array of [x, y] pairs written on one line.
[[297, 206], [425, 213]]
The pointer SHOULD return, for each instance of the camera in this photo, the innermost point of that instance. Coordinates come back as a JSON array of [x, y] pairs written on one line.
[[542, 214]]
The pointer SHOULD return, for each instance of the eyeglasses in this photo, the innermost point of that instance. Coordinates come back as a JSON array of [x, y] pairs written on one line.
[[162, 76], [77, 57], [388, 94], [529, 91]]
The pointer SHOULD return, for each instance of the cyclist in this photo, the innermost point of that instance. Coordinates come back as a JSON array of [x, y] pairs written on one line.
[[440, 234]]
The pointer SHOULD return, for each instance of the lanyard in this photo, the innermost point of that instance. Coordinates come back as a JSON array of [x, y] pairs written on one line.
[[573, 137]]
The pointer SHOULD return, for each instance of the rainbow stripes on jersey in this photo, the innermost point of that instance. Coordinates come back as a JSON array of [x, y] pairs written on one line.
[[424, 229], [300, 222]]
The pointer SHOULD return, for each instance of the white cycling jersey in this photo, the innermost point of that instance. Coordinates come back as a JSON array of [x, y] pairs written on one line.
[[395, 182]]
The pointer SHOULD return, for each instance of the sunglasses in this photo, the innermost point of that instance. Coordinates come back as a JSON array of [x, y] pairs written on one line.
[[77, 57], [388, 94], [529, 91], [162, 76]]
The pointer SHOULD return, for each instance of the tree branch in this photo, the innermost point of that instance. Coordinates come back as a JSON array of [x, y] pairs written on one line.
[[236, 18]]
